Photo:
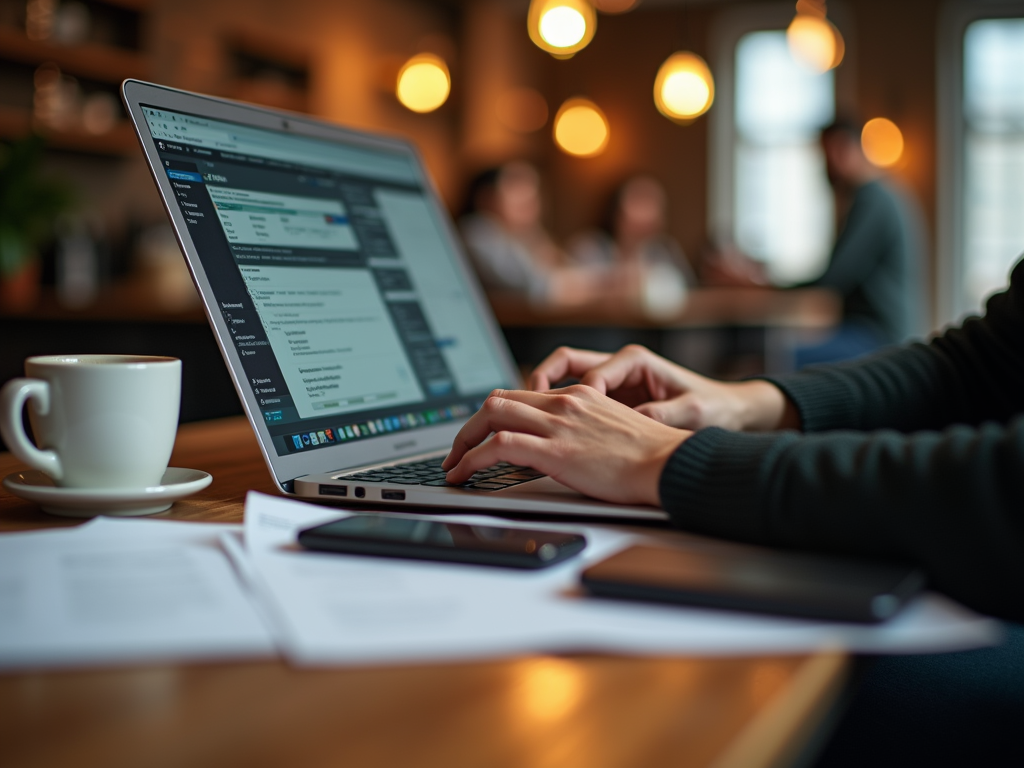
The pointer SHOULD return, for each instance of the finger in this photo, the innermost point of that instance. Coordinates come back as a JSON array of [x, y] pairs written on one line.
[[563, 363], [514, 447], [631, 366], [499, 412], [683, 412]]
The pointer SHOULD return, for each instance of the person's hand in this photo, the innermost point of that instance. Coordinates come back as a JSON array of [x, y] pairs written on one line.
[[576, 435], [667, 392]]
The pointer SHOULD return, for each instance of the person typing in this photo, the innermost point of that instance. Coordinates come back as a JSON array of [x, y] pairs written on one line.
[[914, 454]]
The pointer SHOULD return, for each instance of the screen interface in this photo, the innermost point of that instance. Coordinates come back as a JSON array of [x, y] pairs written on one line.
[[347, 307]]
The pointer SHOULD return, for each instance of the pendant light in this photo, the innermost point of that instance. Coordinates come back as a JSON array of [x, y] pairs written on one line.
[[684, 88], [813, 39], [561, 27]]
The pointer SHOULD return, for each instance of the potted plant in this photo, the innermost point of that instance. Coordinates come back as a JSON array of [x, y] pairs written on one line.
[[29, 205]]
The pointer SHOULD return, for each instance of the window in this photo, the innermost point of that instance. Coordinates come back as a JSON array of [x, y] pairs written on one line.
[[783, 212], [993, 156]]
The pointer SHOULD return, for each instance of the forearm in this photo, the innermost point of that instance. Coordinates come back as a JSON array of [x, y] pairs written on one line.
[[967, 375], [950, 502]]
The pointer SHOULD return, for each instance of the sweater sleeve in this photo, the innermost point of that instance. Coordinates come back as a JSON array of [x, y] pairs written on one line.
[[934, 474], [967, 375], [951, 502], [859, 246]]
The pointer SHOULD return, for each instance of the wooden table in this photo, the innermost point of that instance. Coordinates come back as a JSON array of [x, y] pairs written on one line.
[[693, 336], [585, 711]]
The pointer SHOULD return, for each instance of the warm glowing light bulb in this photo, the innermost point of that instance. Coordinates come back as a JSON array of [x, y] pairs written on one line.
[[423, 83], [882, 142], [561, 27], [814, 41], [581, 129], [684, 88]]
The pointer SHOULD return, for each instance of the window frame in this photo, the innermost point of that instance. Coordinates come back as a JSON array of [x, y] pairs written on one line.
[[729, 26], [955, 17]]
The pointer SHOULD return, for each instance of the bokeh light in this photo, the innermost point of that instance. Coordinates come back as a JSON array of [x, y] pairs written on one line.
[[423, 83], [522, 110], [548, 690], [882, 142], [684, 88], [581, 129], [815, 42], [561, 27]]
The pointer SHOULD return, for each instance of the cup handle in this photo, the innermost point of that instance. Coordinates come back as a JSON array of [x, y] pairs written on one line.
[[12, 401]]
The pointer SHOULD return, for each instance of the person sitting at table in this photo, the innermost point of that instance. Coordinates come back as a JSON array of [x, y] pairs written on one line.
[[633, 240], [509, 246], [915, 454], [876, 262]]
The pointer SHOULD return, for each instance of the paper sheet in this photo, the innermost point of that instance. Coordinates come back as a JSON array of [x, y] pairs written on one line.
[[124, 591], [338, 609]]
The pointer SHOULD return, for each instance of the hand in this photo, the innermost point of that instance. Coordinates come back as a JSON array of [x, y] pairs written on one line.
[[669, 393], [576, 435]]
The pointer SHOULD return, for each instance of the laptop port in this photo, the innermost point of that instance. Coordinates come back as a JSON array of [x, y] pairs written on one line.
[[360, 492], [393, 495], [333, 490]]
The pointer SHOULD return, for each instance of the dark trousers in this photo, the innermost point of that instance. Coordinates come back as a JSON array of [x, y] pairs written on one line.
[[953, 709]]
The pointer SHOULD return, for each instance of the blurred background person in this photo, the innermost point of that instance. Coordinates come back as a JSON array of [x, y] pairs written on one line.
[[647, 263], [509, 246], [876, 264]]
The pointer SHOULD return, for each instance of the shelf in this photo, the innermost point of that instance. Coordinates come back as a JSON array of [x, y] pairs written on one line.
[[130, 301], [96, 62], [119, 141]]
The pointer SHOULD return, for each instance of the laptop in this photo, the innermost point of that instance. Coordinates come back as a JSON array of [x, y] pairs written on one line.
[[351, 323]]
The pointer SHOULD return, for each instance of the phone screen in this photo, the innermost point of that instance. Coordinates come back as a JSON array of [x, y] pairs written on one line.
[[431, 539]]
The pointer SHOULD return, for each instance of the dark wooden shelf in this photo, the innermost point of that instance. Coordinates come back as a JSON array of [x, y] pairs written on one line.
[[129, 301], [117, 142], [96, 62]]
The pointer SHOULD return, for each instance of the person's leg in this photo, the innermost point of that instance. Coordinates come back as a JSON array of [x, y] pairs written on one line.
[[953, 709]]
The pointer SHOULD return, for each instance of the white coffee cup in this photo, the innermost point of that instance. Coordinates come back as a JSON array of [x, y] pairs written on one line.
[[101, 421]]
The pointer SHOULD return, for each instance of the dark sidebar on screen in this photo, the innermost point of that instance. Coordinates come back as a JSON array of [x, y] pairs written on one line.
[[233, 298]]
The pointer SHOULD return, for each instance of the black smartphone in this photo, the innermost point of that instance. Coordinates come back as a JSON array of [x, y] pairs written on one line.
[[422, 538], [757, 580]]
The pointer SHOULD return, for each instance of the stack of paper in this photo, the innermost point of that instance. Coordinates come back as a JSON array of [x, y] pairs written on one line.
[[123, 591], [131, 591], [340, 609]]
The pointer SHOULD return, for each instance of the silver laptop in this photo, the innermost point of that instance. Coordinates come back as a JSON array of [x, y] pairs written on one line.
[[354, 330]]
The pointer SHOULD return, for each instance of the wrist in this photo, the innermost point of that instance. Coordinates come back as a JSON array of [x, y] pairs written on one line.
[[764, 407], [654, 466]]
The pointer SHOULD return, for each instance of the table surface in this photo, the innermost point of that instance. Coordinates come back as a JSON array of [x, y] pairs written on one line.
[[531, 711]]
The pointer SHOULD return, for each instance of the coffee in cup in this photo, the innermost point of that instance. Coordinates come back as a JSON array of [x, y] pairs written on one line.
[[100, 421]]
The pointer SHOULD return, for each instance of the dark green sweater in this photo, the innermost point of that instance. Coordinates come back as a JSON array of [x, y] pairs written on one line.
[[915, 454], [875, 264]]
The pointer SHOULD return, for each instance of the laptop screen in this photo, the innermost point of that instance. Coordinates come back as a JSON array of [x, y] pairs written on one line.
[[328, 261]]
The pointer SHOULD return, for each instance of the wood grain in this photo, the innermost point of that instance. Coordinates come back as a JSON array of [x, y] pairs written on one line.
[[539, 711]]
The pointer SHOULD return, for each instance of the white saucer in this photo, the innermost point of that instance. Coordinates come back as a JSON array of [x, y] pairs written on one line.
[[176, 484]]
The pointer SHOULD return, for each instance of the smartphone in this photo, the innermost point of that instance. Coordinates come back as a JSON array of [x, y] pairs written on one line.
[[751, 579], [423, 538]]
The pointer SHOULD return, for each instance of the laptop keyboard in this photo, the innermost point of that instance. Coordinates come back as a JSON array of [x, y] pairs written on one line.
[[429, 472]]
